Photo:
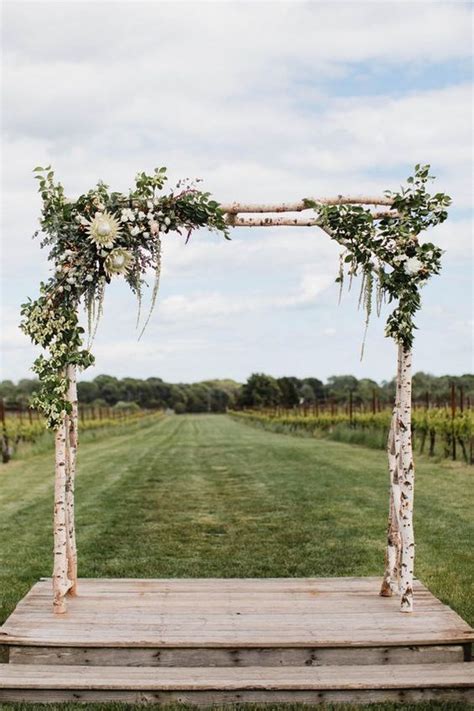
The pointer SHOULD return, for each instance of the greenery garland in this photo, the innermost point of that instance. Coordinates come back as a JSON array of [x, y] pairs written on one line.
[[105, 234], [387, 252], [101, 235]]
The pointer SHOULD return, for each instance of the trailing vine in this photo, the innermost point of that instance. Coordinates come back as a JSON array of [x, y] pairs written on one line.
[[387, 252], [99, 236]]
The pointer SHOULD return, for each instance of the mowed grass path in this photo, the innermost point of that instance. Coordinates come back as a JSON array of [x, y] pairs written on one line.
[[209, 496]]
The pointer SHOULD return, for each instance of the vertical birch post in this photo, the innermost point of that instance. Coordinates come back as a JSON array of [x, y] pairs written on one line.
[[390, 582], [407, 483], [72, 440], [61, 582]]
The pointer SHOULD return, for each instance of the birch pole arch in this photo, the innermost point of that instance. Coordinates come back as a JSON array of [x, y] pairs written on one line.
[[104, 234]]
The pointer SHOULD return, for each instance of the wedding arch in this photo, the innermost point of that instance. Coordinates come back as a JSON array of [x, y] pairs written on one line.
[[105, 234]]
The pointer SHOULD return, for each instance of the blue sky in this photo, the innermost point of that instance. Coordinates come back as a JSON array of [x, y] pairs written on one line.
[[265, 101]]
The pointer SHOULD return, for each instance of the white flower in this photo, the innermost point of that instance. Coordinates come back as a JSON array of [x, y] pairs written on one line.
[[146, 234], [127, 215], [134, 231], [89, 277], [103, 229], [163, 227], [167, 221], [412, 265], [83, 220], [141, 215], [118, 261], [149, 204], [400, 258]]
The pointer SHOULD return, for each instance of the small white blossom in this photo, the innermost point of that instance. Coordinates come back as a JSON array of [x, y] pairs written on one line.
[[89, 277], [163, 227], [141, 215], [134, 231], [149, 204], [167, 221], [146, 234], [127, 215], [412, 265]]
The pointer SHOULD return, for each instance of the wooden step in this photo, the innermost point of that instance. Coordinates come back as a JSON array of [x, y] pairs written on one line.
[[200, 685]]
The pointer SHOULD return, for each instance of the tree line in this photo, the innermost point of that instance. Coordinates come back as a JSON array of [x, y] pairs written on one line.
[[260, 391]]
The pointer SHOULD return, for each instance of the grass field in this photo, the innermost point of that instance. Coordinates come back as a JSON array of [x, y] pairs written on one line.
[[208, 496]]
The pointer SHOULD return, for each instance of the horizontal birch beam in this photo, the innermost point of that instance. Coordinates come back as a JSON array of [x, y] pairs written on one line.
[[237, 221], [236, 207]]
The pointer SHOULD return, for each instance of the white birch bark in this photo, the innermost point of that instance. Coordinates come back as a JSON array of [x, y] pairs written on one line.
[[236, 220], [300, 205], [406, 482], [390, 582], [61, 582], [72, 429]]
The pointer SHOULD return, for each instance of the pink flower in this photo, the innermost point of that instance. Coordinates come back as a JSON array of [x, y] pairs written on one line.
[[154, 227]]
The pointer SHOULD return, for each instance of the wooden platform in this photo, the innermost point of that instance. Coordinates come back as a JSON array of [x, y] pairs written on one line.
[[317, 639]]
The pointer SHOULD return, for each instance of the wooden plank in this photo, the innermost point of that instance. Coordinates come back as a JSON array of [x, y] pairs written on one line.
[[182, 657], [226, 613], [208, 699], [402, 676]]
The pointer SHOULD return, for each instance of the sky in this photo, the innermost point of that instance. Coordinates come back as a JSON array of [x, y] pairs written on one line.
[[265, 101]]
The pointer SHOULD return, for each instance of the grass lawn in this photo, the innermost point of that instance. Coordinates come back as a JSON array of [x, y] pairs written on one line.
[[209, 496]]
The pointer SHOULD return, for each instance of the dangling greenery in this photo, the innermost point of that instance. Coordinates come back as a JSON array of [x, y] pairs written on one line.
[[101, 235], [387, 251], [106, 234]]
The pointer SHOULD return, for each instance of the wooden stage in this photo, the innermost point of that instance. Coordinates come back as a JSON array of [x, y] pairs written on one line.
[[226, 640]]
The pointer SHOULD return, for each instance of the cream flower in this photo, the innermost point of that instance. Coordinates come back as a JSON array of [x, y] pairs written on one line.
[[103, 229], [127, 215], [412, 265], [134, 231], [118, 261]]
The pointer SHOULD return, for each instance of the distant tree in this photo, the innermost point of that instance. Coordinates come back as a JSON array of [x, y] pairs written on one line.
[[87, 391], [316, 386], [307, 394], [108, 388], [339, 387], [289, 391], [366, 389], [260, 390]]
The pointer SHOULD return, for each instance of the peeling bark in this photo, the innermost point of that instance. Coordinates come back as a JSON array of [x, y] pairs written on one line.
[[61, 583], [72, 428]]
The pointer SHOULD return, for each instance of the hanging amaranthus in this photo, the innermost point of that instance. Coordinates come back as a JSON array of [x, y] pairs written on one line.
[[101, 236]]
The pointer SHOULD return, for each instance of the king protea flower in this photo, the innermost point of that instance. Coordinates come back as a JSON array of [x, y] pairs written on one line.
[[118, 261], [103, 229]]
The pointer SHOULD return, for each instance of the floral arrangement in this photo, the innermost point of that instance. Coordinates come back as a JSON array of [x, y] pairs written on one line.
[[386, 250], [106, 234], [100, 236]]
